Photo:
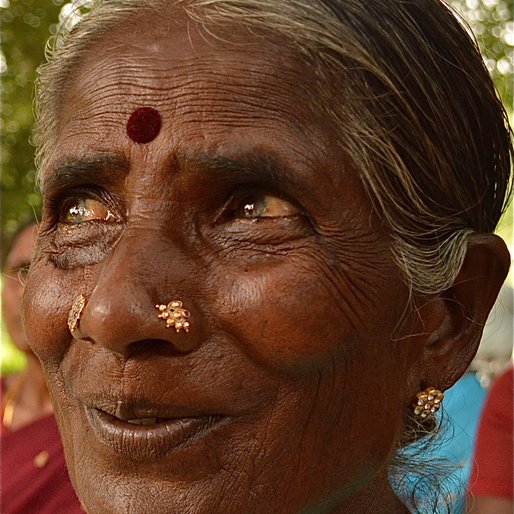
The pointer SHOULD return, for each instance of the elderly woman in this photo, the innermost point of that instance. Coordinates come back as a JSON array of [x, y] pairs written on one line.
[[266, 249]]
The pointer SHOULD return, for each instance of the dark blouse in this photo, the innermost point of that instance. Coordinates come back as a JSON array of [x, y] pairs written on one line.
[[34, 479]]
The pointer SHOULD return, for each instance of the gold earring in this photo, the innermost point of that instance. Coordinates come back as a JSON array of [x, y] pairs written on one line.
[[74, 315], [427, 402], [174, 315]]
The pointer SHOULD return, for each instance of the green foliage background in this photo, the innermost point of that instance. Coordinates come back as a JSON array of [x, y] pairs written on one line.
[[27, 24], [25, 27]]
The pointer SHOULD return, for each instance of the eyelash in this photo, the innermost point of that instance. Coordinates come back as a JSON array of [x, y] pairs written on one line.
[[60, 203], [243, 197]]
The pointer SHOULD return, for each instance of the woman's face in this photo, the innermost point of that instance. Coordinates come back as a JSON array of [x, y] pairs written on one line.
[[15, 274], [288, 391]]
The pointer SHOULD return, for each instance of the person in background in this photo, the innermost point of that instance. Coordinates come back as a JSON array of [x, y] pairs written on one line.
[[491, 484], [34, 478]]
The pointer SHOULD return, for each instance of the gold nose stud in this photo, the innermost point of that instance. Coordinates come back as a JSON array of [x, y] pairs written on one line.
[[74, 315], [174, 315]]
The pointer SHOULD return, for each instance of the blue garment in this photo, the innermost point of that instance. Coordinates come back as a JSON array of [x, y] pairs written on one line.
[[463, 406]]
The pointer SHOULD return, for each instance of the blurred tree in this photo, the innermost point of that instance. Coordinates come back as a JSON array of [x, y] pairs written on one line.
[[493, 25], [26, 25]]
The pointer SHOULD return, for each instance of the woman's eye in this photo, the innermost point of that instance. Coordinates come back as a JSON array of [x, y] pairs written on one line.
[[80, 210], [258, 205]]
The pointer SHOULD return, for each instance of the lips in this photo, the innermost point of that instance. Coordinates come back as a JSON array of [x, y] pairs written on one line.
[[145, 421], [142, 435]]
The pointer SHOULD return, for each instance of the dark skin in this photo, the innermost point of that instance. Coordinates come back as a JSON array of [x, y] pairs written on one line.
[[242, 207]]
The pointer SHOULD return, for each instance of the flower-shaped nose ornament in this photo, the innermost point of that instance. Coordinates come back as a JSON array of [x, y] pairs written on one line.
[[174, 315]]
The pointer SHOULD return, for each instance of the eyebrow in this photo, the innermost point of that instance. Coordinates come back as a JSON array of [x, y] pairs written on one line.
[[250, 166], [99, 167]]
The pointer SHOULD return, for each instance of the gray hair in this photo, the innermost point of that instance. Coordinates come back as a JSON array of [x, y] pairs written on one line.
[[405, 87]]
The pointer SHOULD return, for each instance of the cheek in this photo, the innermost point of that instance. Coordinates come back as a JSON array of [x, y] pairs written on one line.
[[284, 322], [294, 319], [46, 303]]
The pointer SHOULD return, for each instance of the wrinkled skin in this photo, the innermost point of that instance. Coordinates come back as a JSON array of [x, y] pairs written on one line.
[[243, 208]]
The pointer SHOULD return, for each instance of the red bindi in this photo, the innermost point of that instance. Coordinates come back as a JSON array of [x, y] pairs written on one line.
[[144, 125]]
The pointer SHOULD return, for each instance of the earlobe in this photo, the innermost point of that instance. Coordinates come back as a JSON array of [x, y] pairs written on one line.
[[454, 320]]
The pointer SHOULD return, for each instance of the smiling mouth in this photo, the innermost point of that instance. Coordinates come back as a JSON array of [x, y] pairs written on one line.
[[149, 438]]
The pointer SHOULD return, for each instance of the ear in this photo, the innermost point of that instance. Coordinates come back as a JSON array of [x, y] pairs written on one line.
[[454, 320]]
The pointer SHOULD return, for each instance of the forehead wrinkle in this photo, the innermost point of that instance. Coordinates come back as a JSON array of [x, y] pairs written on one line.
[[193, 102], [249, 72], [257, 90], [210, 93]]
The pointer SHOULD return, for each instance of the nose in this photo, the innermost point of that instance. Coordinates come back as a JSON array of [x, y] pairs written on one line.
[[142, 300]]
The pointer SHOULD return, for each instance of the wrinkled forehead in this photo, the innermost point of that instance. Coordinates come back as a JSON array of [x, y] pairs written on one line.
[[190, 78]]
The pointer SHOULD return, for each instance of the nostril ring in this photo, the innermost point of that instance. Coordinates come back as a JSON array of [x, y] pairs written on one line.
[[174, 315], [77, 307]]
